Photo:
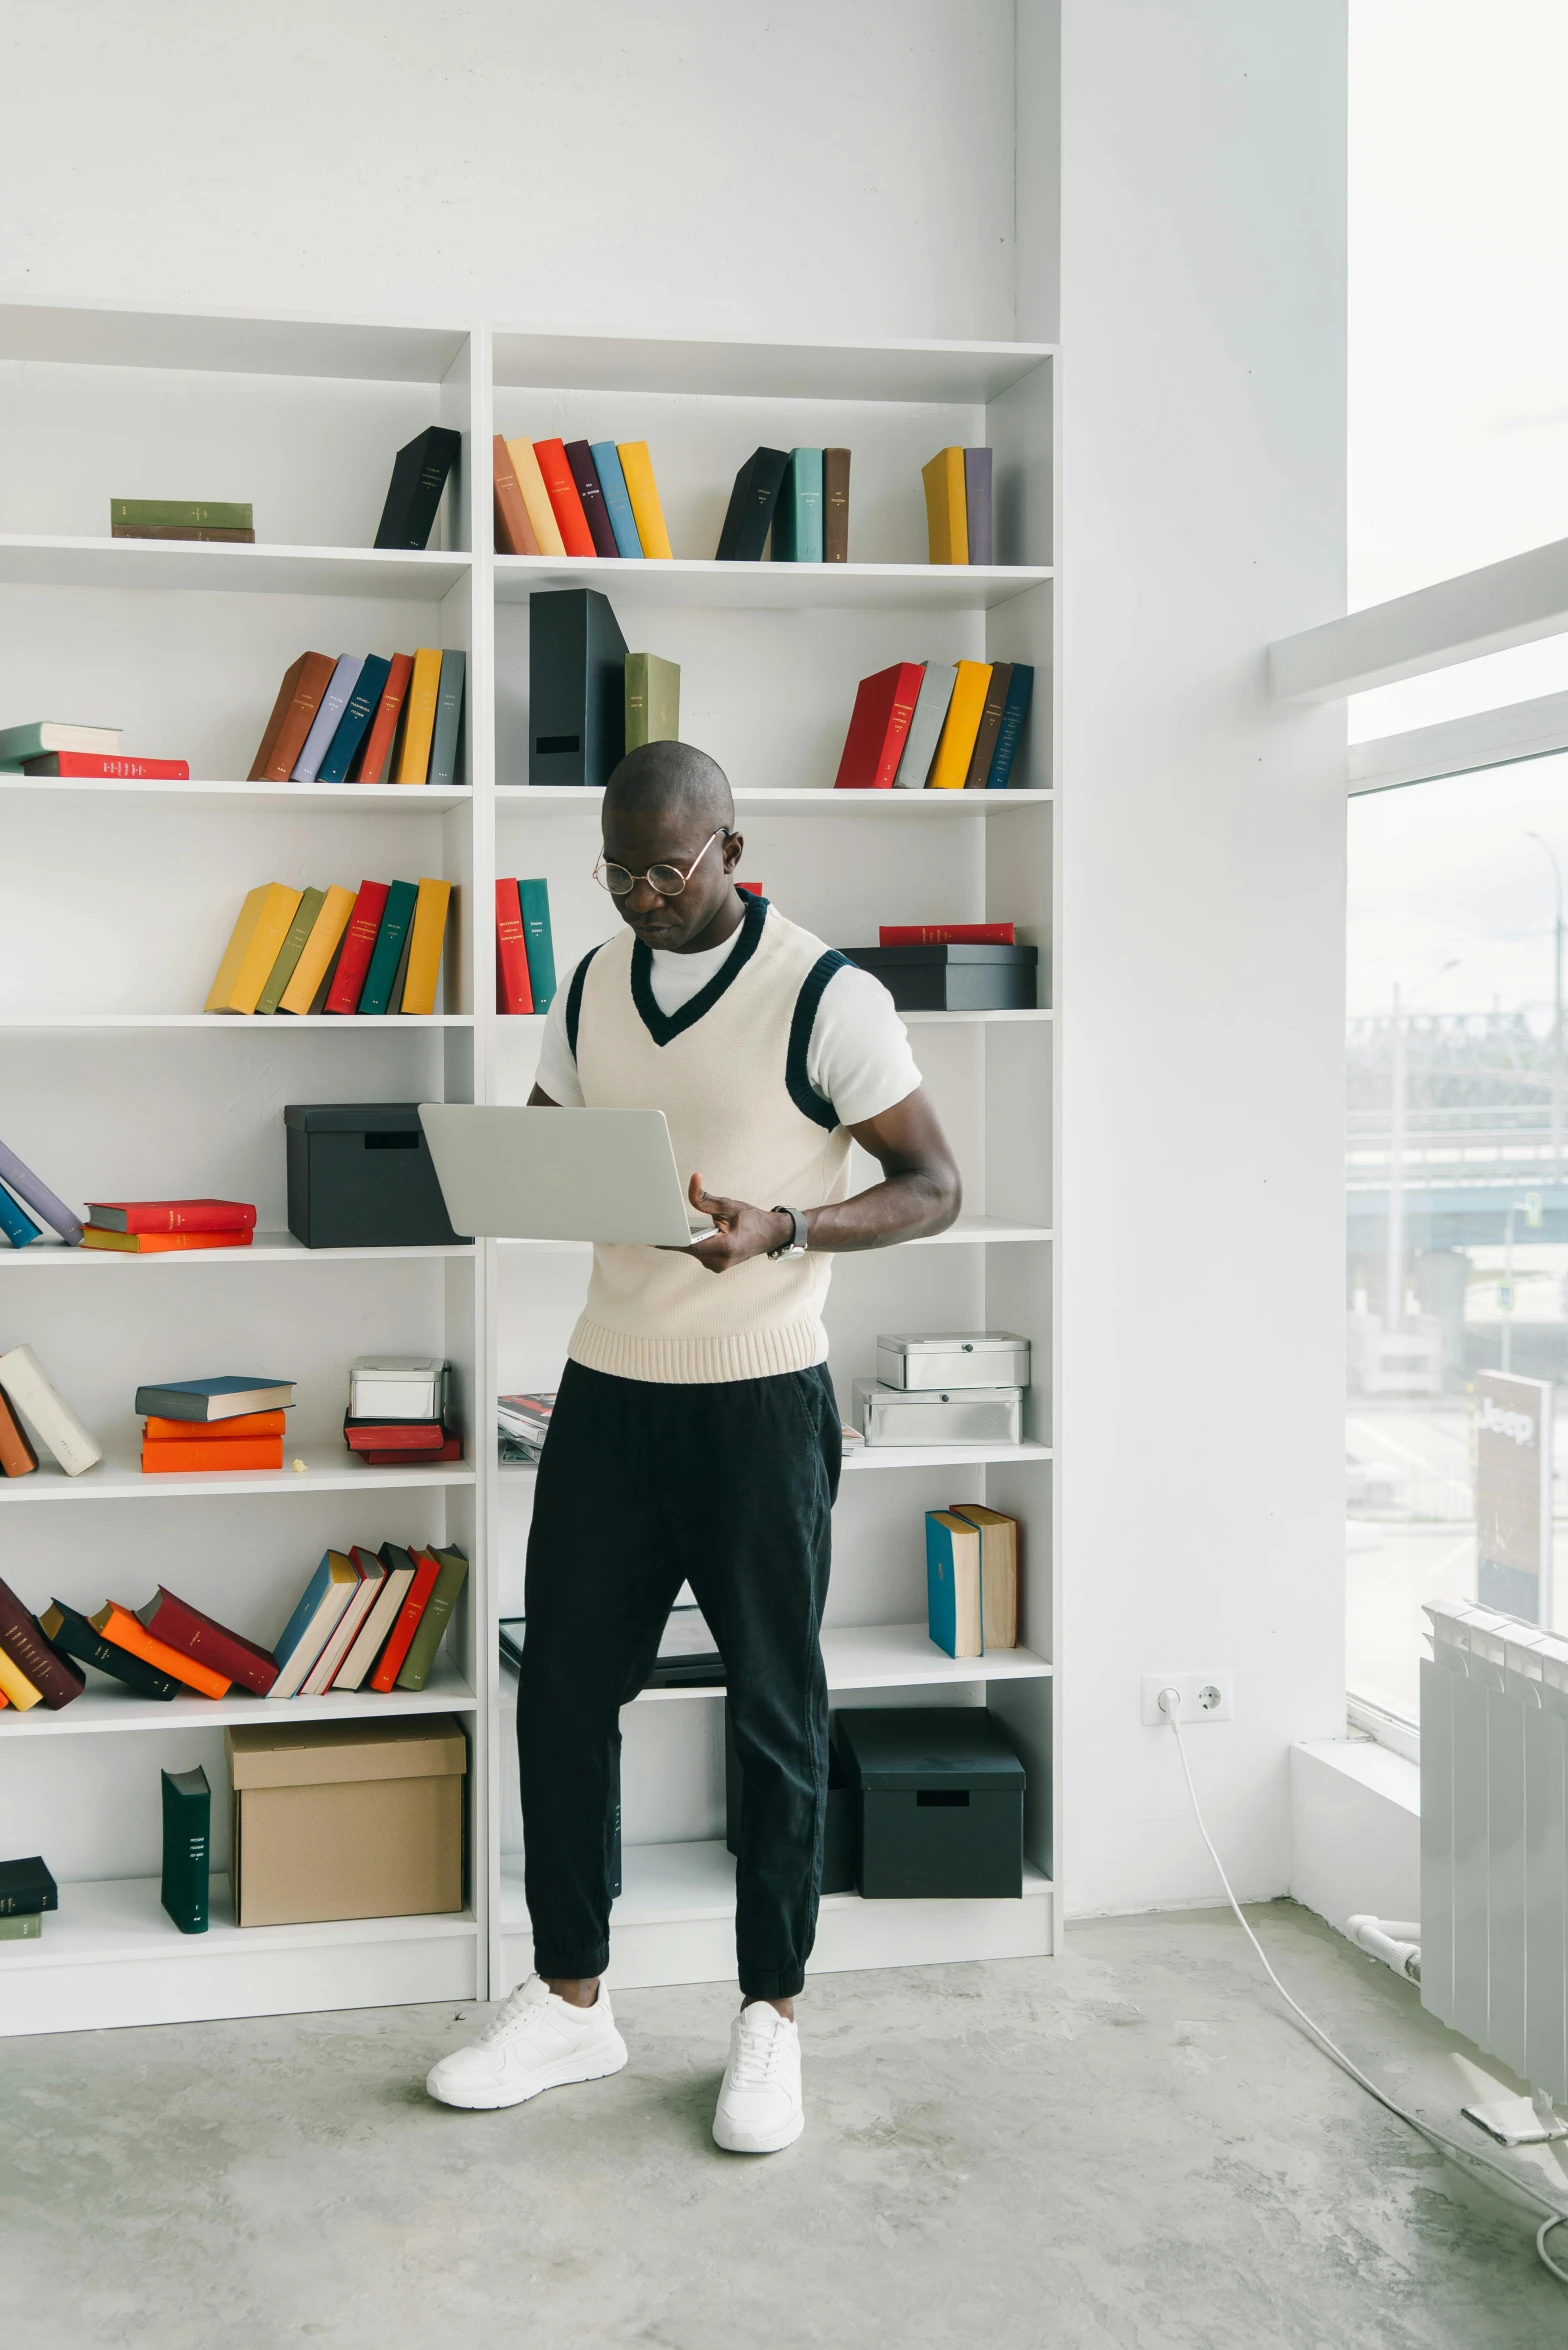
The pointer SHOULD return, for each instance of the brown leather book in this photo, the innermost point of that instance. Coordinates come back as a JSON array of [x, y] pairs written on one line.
[[16, 1453], [514, 533], [835, 505], [55, 1681], [299, 698], [990, 722]]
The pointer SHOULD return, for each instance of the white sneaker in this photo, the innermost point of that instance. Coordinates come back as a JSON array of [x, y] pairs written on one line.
[[534, 2041], [760, 2109]]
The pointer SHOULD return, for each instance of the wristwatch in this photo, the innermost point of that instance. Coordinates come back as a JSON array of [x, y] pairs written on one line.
[[795, 1246]]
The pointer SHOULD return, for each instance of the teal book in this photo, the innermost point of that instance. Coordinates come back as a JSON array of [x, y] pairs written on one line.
[[187, 1848], [534, 898], [1014, 711], [352, 727], [449, 719], [617, 502], [15, 1222], [953, 1611], [387, 953], [797, 518]]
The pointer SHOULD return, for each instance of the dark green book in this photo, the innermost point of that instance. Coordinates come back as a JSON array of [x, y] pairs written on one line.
[[187, 1848], [72, 1635], [433, 1623], [26, 1888], [534, 899], [387, 953]]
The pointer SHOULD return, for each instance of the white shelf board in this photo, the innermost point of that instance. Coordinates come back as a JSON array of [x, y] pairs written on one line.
[[234, 1023], [881, 1456], [266, 1248], [976, 1231], [118, 1477], [772, 587], [270, 798], [117, 1919], [229, 342], [886, 1656], [801, 801], [928, 1019], [750, 367], [104, 1706], [35, 559]]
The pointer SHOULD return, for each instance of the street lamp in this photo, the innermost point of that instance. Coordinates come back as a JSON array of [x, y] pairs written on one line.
[[1557, 1007]]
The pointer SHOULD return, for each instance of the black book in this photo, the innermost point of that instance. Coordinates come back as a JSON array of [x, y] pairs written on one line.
[[576, 688], [187, 1848], [418, 479], [752, 501], [74, 1636], [26, 1888]]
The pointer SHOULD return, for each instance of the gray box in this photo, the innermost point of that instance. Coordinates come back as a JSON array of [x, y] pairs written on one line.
[[954, 1358], [938, 1415]]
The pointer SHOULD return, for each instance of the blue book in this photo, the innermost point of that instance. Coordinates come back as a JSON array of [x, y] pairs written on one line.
[[617, 505], [1014, 710], [15, 1222], [358, 711], [387, 953], [313, 1622], [953, 1610], [534, 898], [797, 518], [215, 1399], [325, 723]]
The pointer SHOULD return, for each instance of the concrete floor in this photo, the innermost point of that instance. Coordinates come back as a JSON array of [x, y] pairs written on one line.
[[1129, 2146]]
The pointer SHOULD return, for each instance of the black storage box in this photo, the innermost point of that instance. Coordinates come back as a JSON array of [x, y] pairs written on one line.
[[839, 1855], [361, 1176], [576, 688], [941, 1802], [954, 979]]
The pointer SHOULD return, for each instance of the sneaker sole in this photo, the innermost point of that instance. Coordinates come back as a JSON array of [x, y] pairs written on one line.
[[560, 2075], [759, 2141]]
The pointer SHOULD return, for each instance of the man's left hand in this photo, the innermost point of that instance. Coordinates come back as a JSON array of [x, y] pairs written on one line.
[[740, 1230]]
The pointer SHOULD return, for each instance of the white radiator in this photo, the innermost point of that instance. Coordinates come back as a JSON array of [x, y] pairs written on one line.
[[1494, 1838]]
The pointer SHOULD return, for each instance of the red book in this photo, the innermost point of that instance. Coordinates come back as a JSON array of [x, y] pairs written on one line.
[[753, 889], [397, 1436], [565, 503], [359, 943], [374, 752], [100, 770], [171, 1215], [451, 1450], [186, 1630], [946, 934], [390, 1662], [884, 705], [513, 988]]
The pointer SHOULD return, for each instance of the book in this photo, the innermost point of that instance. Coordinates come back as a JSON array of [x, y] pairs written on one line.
[[253, 948], [160, 1244], [334, 702], [19, 1693], [946, 934], [797, 518], [512, 990], [998, 1571], [159, 1429], [415, 1669], [960, 727], [56, 1680], [954, 1615], [304, 922], [514, 533], [399, 1437], [359, 943], [925, 728], [183, 1627], [419, 475], [874, 745], [565, 503], [121, 1626], [378, 1456], [181, 514], [535, 497], [20, 743], [320, 1610], [835, 505], [178, 530], [617, 505], [86, 767], [17, 1457], [167, 1458], [427, 1570], [187, 1848], [977, 504], [534, 899], [947, 531], [34, 1193], [29, 1388], [15, 1222], [653, 700], [397, 913], [318, 951], [585, 478], [73, 1635], [376, 750], [354, 724], [426, 937], [26, 1888], [751, 506], [293, 713], [155, 1216], [21, 1929], [383, 1614], [576, 688], [411, 763], [523, 1423], [1020, 686], [371, 1574], [643, 492], [449, 718], [990, 722], [226, 1398]]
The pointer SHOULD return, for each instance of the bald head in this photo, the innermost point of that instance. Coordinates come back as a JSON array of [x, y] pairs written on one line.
[[671, 780]]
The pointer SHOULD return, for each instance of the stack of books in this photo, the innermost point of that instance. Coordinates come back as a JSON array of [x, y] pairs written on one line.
[[801, 496], [167, 1227], [26, 1387], [971, 1579], [927, 726], [89, 754], [398, 1412], [577, 498], [958, 505], [523, 1423], [18, 1184], [26, 1891], [524, 947], [233, 524], [196, 1427], [300, 951], [365, 718]]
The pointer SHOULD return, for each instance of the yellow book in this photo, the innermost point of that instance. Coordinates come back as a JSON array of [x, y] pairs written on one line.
[[536, 497], [15, 1686], [964, 713], [424, 947], [947, 507], [253, 948], [319, 949], [419, 720], [643, 492]]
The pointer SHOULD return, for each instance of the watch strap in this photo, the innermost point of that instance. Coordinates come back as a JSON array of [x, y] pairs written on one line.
[[795, 1246]]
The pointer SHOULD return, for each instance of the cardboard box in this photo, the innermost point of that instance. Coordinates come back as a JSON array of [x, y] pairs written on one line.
[[360, 1819]]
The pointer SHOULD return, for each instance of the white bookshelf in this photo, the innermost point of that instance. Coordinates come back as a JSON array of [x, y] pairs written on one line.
[[115, 900]]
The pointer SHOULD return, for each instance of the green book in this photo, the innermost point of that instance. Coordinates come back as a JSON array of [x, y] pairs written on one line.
[[22, 1929], [187, 1848], [179, 513], [534, 899], [438, 1610], [293, 947], [387, 953], [653, 700]]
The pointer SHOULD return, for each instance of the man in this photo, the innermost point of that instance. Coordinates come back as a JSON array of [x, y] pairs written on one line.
[[695, 1436]]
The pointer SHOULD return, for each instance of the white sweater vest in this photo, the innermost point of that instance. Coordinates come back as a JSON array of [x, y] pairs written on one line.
[[729, 1072]]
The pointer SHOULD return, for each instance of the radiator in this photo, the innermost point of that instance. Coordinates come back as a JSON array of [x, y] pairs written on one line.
[[1494, 1838]]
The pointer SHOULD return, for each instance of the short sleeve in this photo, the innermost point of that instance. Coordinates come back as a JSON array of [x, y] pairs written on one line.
[[859, 1058], [557, 1072]]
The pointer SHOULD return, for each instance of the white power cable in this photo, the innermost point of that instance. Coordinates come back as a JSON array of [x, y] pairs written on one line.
[[1557, 2214]]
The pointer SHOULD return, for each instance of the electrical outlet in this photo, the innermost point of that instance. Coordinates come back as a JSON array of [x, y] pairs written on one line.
[[1205, 1697]]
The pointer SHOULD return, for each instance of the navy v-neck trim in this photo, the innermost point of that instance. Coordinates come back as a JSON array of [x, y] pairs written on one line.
[[663, 1027]]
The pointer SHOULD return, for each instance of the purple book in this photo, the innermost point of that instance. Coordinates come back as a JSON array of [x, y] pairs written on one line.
[[977, 497], [325, 724], [39, 1197], [579, 456]]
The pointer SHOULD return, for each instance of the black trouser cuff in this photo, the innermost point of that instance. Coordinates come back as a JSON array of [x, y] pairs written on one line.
[[771, 1982], [572, 1966]]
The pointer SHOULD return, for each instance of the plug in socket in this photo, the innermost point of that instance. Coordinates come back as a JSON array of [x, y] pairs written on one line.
[[1205, 1697]]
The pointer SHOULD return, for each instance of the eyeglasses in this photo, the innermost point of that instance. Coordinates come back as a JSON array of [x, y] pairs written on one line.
[[666, 881]]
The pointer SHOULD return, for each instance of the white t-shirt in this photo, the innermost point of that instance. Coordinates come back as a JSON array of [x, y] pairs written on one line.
[[858, 1058]]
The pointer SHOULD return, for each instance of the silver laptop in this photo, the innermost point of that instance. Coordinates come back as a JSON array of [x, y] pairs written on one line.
[[519, 1174]]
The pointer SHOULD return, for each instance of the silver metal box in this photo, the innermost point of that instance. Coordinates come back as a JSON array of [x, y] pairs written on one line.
[[954, 1358], [938, 1415]]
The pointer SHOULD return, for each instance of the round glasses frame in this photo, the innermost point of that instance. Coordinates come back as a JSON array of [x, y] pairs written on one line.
[[666, 881]]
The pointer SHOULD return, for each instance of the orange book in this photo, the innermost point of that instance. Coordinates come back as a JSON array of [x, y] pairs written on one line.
[[565, 503], [371, 762], [161, 1244], [167, 1458], [119, 1625], [160, 1431], [514, 533]]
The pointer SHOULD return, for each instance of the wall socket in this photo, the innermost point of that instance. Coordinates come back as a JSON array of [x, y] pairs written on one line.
[[1205, 1697]]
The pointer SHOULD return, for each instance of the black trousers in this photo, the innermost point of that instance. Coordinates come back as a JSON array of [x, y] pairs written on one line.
[[641, 1487]]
